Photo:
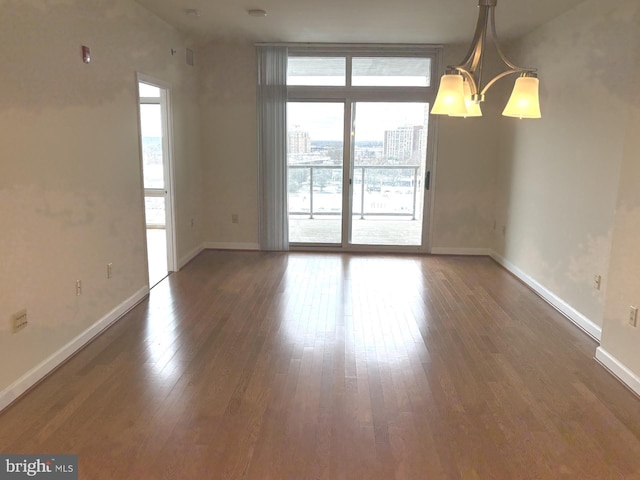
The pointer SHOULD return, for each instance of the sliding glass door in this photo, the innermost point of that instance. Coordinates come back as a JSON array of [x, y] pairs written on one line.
[[388, 171], [315, 153], [358, 150]]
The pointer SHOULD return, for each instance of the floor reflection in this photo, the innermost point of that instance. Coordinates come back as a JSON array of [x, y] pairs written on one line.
[[344, 298], [157, 254], [163, 352]]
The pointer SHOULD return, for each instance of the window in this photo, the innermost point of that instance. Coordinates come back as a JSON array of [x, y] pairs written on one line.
[[358, 150], [327, 71], [391, 71]]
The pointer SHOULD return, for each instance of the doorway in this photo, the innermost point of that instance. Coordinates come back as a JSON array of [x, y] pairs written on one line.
[[155, 141]]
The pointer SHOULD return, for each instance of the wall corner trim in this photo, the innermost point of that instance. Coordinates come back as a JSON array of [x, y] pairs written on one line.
[[618, 369], [231, 246], [589, 327], [42, 370], [190, 256]]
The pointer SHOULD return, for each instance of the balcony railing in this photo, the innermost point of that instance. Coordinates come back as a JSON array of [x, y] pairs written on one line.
[[392, 190]]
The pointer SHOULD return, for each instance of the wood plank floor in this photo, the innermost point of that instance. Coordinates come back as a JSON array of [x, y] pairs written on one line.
[[332, 366]]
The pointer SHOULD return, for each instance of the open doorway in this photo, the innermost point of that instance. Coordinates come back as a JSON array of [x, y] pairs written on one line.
[[155, 140]]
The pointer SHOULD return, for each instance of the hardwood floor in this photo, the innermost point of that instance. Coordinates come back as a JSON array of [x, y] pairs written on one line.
[[334, 366]]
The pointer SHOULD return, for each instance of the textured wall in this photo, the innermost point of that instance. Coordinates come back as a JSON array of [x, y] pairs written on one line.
[[230, 145], [70, 186], [466, 165], [618, 337], [558, 177]]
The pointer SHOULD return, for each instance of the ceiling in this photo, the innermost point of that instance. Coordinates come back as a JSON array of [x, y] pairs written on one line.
[[350, 21]]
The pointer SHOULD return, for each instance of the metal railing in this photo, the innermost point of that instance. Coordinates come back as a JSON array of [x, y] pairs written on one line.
[[371, 178]]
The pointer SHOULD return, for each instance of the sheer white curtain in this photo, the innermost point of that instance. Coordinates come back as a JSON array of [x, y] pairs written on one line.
[[272, 144]]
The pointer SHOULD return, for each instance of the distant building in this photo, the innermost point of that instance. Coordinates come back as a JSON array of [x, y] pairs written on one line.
[[298, 141], [405, 144]]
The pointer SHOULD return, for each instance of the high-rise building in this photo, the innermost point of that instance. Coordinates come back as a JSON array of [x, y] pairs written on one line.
[[404, 144], [298, 141]]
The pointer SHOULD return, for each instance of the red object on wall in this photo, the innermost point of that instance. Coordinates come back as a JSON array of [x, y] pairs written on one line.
[[86, 54]]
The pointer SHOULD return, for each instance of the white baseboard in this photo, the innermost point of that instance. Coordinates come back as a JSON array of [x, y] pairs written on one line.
[[552, 299], [231, 246], [460, 251], [618, 369], [190, 256], [33, 376]]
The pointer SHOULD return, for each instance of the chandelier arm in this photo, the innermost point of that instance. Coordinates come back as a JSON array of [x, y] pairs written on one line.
[[472, 81], [479, 66], [471, 60], [496, 43], [502, 75]]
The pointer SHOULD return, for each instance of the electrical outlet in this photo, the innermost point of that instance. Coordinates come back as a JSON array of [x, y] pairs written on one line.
[[633, 316], [19, 321], [109, 270], [597, 282], [235, 218], [78, 287]]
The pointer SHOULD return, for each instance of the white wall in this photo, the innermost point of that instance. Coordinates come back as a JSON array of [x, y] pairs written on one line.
[[620, 340], [70, 183], [559, 176], [466, 172], [230, 148]]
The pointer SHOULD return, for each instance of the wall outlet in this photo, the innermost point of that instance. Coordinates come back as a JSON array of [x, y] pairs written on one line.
[[19, 321], [633, 316], [109, 270], [235, 218], [78, 287], [597, 282]]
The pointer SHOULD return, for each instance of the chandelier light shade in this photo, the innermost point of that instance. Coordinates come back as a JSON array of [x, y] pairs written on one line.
[[462, 85], [450, 99], [524, 101], [473, 108]]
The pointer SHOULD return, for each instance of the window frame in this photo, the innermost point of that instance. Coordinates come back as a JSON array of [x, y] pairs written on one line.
[[351, 95], [366, 93]]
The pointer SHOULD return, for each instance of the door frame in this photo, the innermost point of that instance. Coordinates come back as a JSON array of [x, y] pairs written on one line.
[[168, 166], [347, 96]]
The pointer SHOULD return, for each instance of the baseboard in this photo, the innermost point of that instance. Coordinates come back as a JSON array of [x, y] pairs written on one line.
[[589, 327], [39, 372], [618, 369], [231, 246], [190, 256], [460, 251]]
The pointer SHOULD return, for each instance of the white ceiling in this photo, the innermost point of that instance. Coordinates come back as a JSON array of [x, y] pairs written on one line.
[[351, 21]]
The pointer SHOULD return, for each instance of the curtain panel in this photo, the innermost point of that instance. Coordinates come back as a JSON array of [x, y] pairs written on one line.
[[272, 145]]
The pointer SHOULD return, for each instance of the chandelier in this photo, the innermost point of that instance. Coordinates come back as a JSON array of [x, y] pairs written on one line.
[[461, 87]]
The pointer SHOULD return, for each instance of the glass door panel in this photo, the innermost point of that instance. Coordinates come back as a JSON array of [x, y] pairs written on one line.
[[315, 143], [155, 188], [388, 165]]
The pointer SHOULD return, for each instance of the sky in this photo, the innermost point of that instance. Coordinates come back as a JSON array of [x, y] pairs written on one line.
[[150, 122]]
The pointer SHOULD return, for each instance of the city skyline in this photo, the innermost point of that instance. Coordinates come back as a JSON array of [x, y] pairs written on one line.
[[325, 121]]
